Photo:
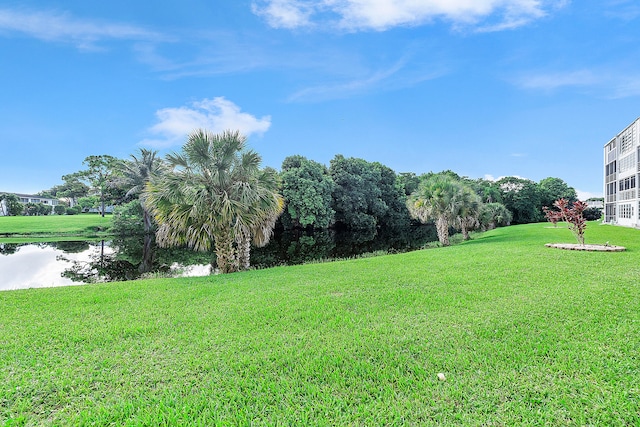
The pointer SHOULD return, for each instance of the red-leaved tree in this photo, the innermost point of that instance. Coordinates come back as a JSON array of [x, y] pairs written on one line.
[[571, 215]]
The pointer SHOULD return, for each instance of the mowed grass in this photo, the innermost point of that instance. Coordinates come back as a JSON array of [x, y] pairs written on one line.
[[525, 335], [54, 225]]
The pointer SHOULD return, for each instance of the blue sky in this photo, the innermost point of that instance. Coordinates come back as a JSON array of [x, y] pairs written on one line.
[[486, 88]]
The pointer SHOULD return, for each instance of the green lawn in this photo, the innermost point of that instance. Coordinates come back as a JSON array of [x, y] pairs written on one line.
[[54, 225], [526, 335]]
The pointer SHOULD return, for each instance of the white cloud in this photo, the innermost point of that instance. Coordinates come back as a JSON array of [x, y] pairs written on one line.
[[284, 13], [62, 27], [384, 14], [216, 115]]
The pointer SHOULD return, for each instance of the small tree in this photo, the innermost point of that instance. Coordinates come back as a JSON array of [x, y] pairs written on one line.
[[571, 215]]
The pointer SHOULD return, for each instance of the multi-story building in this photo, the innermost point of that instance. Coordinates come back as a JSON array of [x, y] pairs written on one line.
[[28, 198], [621, 168]]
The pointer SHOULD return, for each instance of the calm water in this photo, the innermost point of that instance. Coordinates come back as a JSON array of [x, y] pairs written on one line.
[[38, 265]]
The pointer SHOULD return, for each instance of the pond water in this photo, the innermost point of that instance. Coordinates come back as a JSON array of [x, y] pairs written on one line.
[[37, 265]]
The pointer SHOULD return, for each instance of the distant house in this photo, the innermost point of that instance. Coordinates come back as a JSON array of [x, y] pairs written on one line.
[[107, 209], [621, 167], [592, 203], [28, 198]]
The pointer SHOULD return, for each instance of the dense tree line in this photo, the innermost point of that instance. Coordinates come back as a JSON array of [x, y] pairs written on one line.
[[214, 195]]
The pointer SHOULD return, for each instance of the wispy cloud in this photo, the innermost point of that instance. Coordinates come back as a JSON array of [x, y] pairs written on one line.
[[388, 79], [626, 10], [604, 83], [381, 15], [555, 80], [217, 114], [63, 27]]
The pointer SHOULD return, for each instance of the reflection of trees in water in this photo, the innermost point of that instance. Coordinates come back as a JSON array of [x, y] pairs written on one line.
[[128, 259], [100, 267], [299, 246], [72, 247], [131, 257], [9, 248]]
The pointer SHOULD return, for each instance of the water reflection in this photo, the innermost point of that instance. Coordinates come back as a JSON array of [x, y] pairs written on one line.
[[37, 265]]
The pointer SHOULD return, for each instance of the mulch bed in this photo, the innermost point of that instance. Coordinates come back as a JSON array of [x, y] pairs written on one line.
[[578, 247]]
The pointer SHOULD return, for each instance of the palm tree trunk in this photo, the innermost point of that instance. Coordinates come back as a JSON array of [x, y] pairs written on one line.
[[244, 249], [146, 219], [442, 227], [465, 224], [225, 252], [465, 232], [147, 254]]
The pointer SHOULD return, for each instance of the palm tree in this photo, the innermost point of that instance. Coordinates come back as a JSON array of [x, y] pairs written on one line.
[[257, 226], [136, 173], [217, 196], [470, 205], [437, 199], [493, 215]]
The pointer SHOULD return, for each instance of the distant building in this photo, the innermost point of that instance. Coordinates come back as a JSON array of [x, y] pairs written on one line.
[[28, 198], [621, 167], [592, 203]]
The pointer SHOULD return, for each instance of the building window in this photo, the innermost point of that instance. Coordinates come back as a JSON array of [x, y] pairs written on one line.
[[626, 211], [627, 183], [626, 140], [610, 169], [628, 162], [610, 213]]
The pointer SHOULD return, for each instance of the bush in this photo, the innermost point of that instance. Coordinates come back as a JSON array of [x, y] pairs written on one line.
[[59, 209], [592, 214], [71, 211]]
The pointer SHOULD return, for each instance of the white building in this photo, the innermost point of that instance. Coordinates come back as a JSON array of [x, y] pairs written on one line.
[[621, 168], [28, 198]]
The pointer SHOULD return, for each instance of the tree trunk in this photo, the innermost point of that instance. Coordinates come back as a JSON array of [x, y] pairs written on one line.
[[146, 219], [225, 252], [442, 227], [465, 231], [244, 249], [147, 254]]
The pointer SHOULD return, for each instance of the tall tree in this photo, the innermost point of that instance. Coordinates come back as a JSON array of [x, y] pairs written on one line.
[[552, 189], [101, 175], [357, 197], [437, 199], [72, 189], [470, 206], [307, 188], [136, 173], [257, 225], [392, 194], [409, 182], [522, 197], [216, 196]]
